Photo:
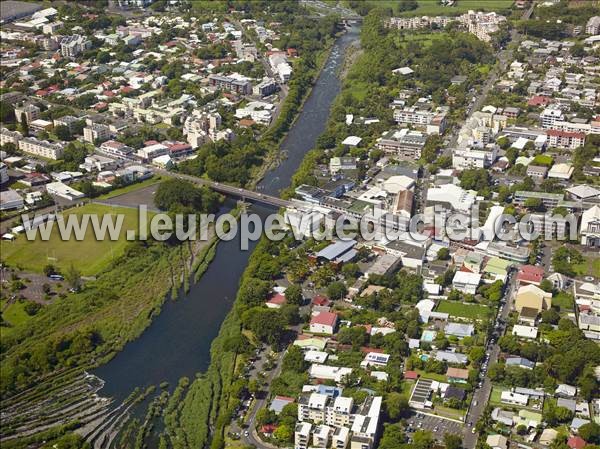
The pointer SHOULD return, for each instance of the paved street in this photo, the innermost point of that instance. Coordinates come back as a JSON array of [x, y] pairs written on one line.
[[482, 394]]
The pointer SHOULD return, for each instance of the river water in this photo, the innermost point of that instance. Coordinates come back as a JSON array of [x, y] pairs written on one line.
[[177, 343]]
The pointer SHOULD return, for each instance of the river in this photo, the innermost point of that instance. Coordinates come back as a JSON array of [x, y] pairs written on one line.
[[177, 343]]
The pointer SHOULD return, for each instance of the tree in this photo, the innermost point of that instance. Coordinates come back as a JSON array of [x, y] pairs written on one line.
[[293, 294], [590, 432], [265, 416], [423, 439], [73, 277], [49, 269], [62, 132], [452, 441], [351, 270], [336, 290], [393, 437], [283, 433], [24, 124], [443, 254], [396, 406], [294, 360]]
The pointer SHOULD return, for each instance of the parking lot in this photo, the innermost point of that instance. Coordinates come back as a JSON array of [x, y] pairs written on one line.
[[436, 425]]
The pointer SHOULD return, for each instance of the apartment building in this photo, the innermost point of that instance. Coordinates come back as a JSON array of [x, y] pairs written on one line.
[[549, 200], [7, 136], [302, 435], [72, 46], [550, 116], [28, 111], [115, 148], [474, 157], [67, 121], [231, 84], [96, 132], [403, 144], [338, 420], [200, 126], [565, 139], [41, 148], [433, 122], [268, 86], [593, 25]]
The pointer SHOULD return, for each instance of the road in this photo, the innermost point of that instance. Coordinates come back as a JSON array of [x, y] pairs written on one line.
[[504, 57], [482, 394]]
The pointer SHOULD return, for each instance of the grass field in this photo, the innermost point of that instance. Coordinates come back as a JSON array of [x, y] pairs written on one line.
[[130, 188], [564, 301], [425, 39], [459, 309], [90, 256], [433, 7], [14, 315], [590, 267]]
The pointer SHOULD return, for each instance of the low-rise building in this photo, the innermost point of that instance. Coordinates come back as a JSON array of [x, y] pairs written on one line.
[[41, 148]]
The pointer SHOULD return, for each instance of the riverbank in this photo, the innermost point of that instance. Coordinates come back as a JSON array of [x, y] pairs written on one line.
[[211, 399]]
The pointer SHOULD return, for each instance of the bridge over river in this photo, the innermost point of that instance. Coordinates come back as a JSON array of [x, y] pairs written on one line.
[[225, 189]]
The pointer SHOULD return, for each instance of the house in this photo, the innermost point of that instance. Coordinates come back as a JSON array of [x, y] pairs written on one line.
[[315, 356], [576, 442], [325, 372], [310, 343], [10, 199], [569, 404], [497, 441], [503, 416], [521, 362], [566, 391], [337, 164], [510, 397], [530, 274], [456, 358], [275, 301], [532, 297], [279, 402], [452, 392], [548, 436], [525, 331], [63, 191], [466, 282], [459, 330], [577, 423], [458, 375], [323, 323], [528, 316], [375, 359]]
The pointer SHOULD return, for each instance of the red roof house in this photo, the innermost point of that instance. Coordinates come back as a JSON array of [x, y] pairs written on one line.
[[324, 323], [530, 274], [321, 301], [576, 443], [411, 375], [275, 301]]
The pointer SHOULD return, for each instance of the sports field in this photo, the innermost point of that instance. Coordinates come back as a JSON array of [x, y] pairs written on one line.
[[89, 255]]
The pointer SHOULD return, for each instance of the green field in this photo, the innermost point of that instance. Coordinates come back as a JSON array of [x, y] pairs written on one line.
[[14, 315], [590, 267], [90, 256], [434, 8], [130, 188], [459, 309], [425, 39]]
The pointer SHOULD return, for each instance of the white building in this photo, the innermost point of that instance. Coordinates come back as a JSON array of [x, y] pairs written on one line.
[[72, 46], [466, 282], [590, 227], [96, 132], [63, 190], [41, 148]]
